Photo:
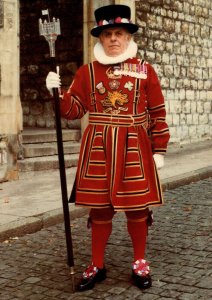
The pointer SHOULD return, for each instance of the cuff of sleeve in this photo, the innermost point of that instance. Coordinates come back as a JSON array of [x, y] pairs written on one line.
[[159, 151]]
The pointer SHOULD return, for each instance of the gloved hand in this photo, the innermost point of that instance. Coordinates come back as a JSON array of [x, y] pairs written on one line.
[[53, 81], [159, 160]]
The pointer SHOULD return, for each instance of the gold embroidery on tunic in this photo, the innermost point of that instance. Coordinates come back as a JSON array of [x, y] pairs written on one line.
[[115, 101]]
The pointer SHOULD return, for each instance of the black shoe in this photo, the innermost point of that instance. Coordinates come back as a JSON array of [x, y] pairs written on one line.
[[141, 274], [90, 277], [142, 282]]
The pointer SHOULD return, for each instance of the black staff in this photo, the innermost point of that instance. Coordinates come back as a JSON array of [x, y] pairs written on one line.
[[50, 30]]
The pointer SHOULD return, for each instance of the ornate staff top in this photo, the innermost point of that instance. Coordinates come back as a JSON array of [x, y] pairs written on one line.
[[50, 30]]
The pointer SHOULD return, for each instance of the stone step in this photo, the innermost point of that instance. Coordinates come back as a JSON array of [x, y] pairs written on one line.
[[40, 150], [46, 163], [49, 135], [48, 149]]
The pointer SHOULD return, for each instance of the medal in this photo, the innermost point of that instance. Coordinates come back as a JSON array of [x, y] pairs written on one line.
[[114, 84], [111, 73], [129, 85], [133, 70], [100, 87]]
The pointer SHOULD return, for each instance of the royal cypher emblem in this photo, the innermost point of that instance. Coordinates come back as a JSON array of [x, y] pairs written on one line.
[[115, 102]]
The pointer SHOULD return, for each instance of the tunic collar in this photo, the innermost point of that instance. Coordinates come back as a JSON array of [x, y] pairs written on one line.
[[104, 59]]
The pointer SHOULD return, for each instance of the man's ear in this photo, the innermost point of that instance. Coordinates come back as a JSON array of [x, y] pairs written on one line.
[[129, 37]]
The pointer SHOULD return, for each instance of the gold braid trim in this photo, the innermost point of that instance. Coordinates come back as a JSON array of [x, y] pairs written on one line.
[[101, 222], [137, 220]]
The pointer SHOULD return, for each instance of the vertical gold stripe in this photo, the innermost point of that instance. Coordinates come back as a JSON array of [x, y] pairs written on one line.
[[92, 81], [114, 157], [137, 91]]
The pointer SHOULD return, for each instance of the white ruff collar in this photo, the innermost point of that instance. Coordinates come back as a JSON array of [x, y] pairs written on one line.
[[104, 59]]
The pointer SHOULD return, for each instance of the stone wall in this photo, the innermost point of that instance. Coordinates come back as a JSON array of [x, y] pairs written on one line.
[[175, 36], [35, 61], [10, 106]]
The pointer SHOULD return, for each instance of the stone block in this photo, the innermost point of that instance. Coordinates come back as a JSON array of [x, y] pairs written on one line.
[[194, 84], [176, 119], [164, 82], [193, 107], [185, 132], [200, 84], [168, 70], [200, 130], [169, 47], [158, 57], [50, 123], [186, 107], [179, 94], [195, 119], [190, 95], [169, 119], [40, 122], [170, 95], [187, 83], [189, 119], [203, 95], [184, 28], [159, 45], [179, 83], [207, 85], [169, 24], [191, 72], [192, 131], [173, 131], [150, 56], [175, 107], [166, 58], [203, 119], [209, 62], [200, 107], [173, 83], [207, 107], [182, 119]]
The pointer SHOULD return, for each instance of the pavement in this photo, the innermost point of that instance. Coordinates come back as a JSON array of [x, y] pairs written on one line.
[[34, 266], [34, 201]]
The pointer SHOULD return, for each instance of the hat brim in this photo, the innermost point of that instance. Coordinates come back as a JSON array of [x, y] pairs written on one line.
[[132, 28]]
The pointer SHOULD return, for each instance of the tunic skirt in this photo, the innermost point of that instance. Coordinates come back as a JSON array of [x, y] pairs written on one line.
[[126, 127]]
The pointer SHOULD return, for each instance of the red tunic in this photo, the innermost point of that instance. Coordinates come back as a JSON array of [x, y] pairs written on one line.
[[126, 127]]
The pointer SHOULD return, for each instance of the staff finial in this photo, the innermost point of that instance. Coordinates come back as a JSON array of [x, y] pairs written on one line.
[[50, 30]]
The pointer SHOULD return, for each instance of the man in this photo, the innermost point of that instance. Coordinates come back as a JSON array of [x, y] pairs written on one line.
[[126, 136]]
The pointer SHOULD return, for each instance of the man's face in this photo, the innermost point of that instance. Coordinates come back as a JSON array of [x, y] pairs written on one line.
[[115, 40]]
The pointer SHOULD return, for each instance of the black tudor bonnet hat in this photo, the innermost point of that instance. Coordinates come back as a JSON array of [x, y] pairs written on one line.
[[113, 16]]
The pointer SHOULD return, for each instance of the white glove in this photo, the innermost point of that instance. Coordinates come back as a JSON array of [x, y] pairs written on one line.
[[159, 160], [53, 81]]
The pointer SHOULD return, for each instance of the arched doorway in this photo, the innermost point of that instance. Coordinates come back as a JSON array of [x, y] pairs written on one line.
[[34, 56]]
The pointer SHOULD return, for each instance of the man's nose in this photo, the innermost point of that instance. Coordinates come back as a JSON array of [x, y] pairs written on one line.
[[113, 36]]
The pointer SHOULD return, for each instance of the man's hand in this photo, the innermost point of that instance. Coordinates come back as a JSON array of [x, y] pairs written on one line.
[[159, 160], [53, 81]]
